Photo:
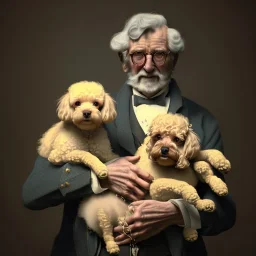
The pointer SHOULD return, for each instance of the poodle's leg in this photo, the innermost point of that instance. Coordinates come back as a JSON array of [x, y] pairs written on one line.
[[163, 188], [206, 174], [55, 156], [107, 230], [190, 234], [215, 158], [80, 156]]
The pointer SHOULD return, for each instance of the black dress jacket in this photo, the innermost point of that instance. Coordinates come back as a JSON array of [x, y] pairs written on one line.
[[42, 188]]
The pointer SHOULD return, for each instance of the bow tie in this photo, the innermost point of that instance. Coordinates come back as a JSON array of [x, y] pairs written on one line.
[[159, 100]]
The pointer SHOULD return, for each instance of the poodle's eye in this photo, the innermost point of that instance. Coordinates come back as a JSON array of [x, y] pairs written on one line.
[[77, 103], [177, 140], [157, 137], [96, 103]]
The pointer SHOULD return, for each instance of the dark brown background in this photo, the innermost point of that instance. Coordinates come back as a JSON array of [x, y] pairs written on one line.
[[48, 45]]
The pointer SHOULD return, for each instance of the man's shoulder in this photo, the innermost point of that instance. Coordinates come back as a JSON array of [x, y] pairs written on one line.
[[204, 124], [196, 110]]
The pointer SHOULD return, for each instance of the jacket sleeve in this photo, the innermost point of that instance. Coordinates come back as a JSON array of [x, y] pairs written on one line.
[[223, 218], [50, 185]]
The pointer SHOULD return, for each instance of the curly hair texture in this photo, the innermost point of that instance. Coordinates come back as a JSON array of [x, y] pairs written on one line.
[[86, 93], [140, 24], [177, 126]]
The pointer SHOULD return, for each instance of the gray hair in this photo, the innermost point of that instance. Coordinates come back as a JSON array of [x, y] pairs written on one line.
[[141, 23]]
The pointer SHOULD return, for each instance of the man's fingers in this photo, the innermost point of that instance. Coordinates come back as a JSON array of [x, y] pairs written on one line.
[[128, 175], [138, 193], [137, 203], [132, 159], [142, 183], [142, 174], [127, 195], [137, 236], [131, 197], [123, 240]]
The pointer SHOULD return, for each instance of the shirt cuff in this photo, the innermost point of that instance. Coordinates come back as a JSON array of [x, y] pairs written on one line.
[[96, 188], [189, 212]]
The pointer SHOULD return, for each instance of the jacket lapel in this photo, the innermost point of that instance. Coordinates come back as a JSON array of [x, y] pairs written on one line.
[[137, 131], [124, 132], [175, 96]]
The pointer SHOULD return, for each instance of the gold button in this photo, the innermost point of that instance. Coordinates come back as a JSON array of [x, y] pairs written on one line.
[[67, 184], [67, 170], [62, 186]]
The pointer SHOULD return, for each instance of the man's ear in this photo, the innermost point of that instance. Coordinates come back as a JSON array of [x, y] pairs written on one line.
[[125, 67]]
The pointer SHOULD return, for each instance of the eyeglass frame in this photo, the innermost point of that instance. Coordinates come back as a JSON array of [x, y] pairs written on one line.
[[175, 57], [152, 54]]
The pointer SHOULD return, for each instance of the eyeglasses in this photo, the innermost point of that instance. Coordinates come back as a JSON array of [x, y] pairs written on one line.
[[158, 58]]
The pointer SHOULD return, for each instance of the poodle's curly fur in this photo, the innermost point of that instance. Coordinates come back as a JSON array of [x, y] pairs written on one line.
[[176, 128], [166, 154], [79, 137]]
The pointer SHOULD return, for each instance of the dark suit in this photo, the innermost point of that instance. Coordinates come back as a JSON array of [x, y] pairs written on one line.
[[42, 188]]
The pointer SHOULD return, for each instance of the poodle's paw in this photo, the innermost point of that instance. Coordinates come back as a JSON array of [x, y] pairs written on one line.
[[206, 205], [220, 163], [190, 234], [55, 159], [112, 247], [100, 170], [103, 174], [218, 186]]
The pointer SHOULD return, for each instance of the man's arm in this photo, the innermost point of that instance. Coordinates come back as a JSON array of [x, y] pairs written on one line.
[[223, 218], [50, 185]]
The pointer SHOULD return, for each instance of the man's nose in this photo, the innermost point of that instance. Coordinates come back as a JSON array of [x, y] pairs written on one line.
[[149, 65]]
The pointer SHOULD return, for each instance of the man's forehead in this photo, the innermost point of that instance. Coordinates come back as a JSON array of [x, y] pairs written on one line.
[[155, 39]]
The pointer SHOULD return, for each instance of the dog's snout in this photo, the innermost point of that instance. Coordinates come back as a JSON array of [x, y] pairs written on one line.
[[164, 150], [87, 114]]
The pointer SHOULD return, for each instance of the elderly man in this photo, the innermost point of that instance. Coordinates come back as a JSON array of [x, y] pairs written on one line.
[[149, 51]]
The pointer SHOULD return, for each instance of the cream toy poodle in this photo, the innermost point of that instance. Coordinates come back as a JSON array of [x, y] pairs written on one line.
[[166, 154], [79, 137]]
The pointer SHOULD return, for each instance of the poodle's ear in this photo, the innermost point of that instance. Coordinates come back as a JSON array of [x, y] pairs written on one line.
[[64, 110], [147, 140], [108, 111], [148, 143], [190, 150]]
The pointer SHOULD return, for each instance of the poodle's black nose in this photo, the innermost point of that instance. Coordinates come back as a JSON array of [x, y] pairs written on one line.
[[164, 150], [87, 114]]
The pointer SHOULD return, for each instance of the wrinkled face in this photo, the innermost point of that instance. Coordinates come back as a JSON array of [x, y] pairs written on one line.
[[87, 102], [149, 77], [165, 148]]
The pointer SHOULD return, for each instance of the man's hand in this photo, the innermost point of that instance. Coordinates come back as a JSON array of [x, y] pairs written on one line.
[[126, 179], [150, 218]]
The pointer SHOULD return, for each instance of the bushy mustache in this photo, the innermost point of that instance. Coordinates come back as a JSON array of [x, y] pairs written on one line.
[[135, 78], [148, 86]]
